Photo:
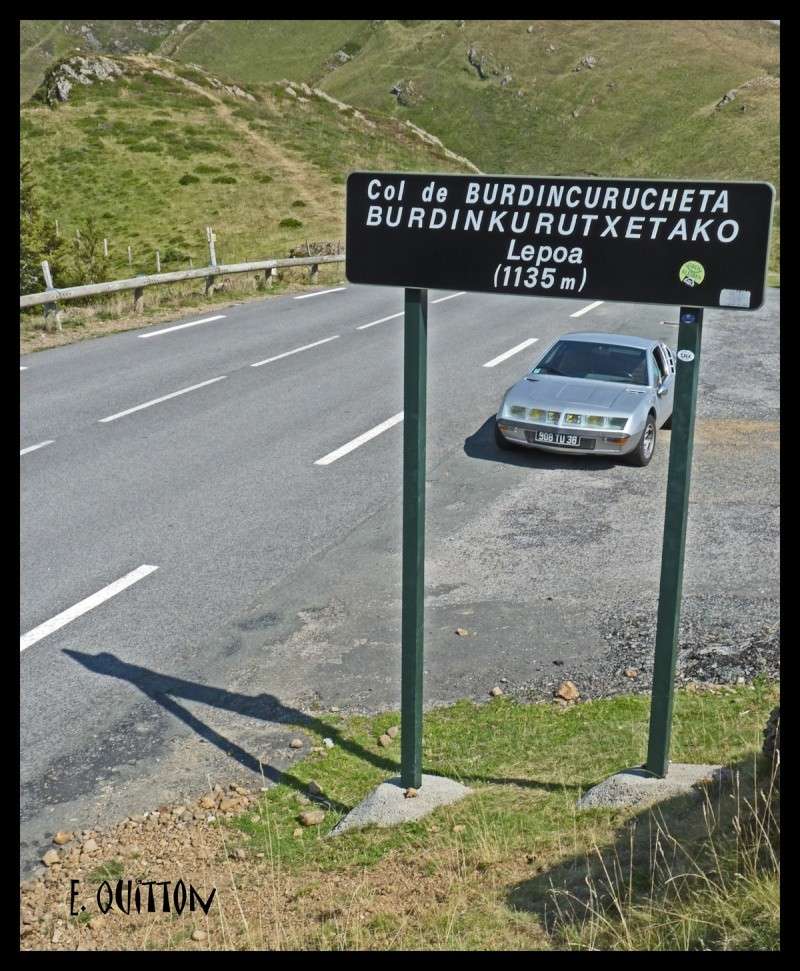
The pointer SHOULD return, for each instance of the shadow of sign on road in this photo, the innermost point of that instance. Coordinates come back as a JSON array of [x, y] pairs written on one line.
[[164, 689]]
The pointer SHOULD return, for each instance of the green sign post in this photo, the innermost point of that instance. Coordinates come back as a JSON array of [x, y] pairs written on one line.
[[679, 475], [415, 411]]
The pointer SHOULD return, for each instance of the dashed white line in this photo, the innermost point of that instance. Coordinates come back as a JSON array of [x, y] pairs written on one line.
[[585, 310], [514, 350], [166, 397], [449, 296], [71, 613], [32, 448], [297, 350], [193, 323], [372, 433], [319, 293], [373, 322]]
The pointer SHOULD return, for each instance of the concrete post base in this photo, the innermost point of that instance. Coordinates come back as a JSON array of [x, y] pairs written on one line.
[[388, 806], [635, 787]]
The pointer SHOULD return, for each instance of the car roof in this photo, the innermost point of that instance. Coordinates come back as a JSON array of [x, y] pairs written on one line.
[[624, 340]]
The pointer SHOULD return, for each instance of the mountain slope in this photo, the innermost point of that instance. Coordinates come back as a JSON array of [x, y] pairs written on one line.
[[622, 98], [162, 150], [633, 98]]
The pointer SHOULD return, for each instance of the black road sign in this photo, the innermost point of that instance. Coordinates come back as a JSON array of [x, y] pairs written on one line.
[[704, 244]]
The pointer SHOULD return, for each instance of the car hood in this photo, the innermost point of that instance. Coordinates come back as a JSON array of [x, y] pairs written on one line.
[[549, 391]]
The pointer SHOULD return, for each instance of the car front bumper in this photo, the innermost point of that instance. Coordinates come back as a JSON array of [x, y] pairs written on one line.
[[514, 430]]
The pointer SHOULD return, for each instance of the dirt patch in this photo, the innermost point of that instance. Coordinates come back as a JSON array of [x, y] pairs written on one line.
[[255, 904], [722, 432]]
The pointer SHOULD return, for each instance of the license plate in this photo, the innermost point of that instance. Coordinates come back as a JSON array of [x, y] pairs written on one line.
[[559, 438]]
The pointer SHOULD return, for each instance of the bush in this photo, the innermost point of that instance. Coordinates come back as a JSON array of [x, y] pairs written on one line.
[[290, 224], [298, 204], [204, 169], [224, 179], [264, 178], [188, 179]]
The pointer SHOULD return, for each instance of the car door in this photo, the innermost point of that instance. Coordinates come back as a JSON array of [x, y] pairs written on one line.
[[665, 381]]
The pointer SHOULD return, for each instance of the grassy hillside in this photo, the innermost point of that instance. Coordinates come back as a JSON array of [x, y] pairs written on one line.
[[623, 98], [647, 106], [157, 155]]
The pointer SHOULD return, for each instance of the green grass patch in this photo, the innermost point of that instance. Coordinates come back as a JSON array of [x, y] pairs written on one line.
[[290, 223], [488, 871], [112, 870]]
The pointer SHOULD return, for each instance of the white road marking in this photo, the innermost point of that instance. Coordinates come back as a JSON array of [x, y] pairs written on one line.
[[71, 613], [514, 350], [585, 310], [194, 323], [372, 323], [319, 293], [297, 350], [22, 368], [372, 433], [32, 448], [450, 296], [166, 397]]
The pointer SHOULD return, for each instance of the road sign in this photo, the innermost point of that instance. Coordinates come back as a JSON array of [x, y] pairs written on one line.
[[625, 240], [628, 240]]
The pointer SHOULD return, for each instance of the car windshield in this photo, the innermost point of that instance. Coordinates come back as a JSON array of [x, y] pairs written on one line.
[[595, 362]]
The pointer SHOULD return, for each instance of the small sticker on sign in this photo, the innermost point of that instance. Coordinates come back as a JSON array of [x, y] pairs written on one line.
[[734, 298], [686, 356], [692, 273]]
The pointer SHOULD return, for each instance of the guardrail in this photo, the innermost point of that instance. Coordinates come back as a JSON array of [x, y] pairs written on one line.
[[51, 297]]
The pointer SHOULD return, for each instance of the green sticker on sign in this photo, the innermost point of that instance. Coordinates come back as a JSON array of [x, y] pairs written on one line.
[[692, 273]]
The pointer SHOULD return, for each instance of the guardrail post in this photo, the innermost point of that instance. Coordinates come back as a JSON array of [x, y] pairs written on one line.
[[51, 312], [212, 252], [314, 274], [105, 247], [158, 262], [138, 300], [210, 286], [130, 257]]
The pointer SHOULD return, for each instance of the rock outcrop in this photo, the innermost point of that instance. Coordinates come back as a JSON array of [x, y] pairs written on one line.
[[80, 69]]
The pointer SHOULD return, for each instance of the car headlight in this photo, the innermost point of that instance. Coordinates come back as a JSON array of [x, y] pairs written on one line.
[[617, 422], [517, 411], [553, 416], [572, 419], [537, 414], [596, 421]]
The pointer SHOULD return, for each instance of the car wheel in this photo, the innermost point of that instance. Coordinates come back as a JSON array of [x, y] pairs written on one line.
[[643, 452], [501, 441], [668, 423]]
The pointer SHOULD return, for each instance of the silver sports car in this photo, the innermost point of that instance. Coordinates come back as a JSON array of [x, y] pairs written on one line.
[[592, 394]]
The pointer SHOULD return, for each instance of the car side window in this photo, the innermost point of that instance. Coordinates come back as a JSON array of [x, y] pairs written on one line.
[[670, 358], [662, 369]]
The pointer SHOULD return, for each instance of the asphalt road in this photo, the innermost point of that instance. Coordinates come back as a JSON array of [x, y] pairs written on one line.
[[277, 588]]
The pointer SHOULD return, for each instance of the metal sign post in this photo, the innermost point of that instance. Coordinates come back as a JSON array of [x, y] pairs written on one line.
[[679, 475], [415, 410]]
